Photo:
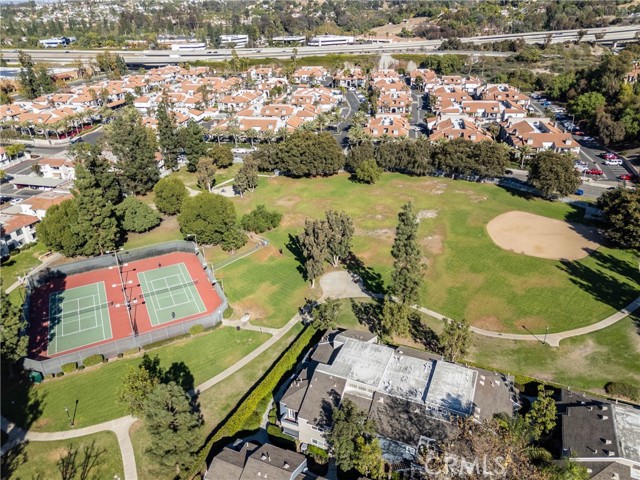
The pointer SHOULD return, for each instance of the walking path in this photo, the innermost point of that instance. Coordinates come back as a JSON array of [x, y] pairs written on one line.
[[48, 261], [334, 285]]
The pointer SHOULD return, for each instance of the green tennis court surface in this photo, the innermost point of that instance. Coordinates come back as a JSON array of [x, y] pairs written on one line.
[[170, 293], [78, 317]]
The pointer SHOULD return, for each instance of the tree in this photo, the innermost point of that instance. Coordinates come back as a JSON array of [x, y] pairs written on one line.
[[221, 155], [97, 221], [406, 278], [172, 424], [313, 241], [553, 174], [193, 144], [90, 156], [358, 154], [353, 440], [260, 220], [621, 208], [43, 80], [137, 216], [208, 216], [168, 136], [13, 341], [325, 314], [206, 173], [233, 239], [368, 172], [455, 339], [137, 385], [247, 177], [587, 105], [340, 234], [134, 147], [395, 318], [609, 130], [542, 416], [59, 229], [27, 77], [170, 193]]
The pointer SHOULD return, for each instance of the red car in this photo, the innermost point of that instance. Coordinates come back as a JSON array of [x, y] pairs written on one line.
[[578, 133], [595, 171], [609, 156], [629, 177]]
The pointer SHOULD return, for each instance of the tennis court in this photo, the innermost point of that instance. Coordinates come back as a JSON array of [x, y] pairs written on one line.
[[78, 317], [170, 293]]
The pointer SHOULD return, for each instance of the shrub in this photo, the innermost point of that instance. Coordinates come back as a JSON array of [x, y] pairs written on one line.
[[280, 439], [166, 341], [368, 172], [318, 454], [92, 360], [132, 351], [228, 312], [169, 195], [50, 376], [620, 389], [260, 220], [120, 355], [81, 367], [60, 374], [69, 367], [196, 329]]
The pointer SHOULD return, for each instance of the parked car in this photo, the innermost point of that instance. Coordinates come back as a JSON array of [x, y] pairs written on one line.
[[578, 133], [579, 192], [16, 201], [629, 177], [580, 163], [352, 89], [613, 161], [609, 156], [581, 169], [595, 171]]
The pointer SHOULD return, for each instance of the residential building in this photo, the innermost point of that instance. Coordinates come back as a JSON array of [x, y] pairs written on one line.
[[395, 102], [412, 395], [395, 126], [539, 134], [250, 461], [450, 128], [59, 168], [602, 436], [17, 230], [309, 74], [39, 204]]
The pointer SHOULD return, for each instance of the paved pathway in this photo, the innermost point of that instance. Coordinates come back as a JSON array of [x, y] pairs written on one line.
[[334, 284], [48, 261]]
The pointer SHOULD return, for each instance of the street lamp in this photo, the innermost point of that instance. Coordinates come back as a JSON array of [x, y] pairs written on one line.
[[195, 238], [68, 416]]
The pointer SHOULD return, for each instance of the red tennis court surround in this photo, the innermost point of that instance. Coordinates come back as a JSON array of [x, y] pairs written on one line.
[[121, 326]]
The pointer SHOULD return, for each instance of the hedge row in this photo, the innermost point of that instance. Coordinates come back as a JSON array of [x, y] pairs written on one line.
[[196, 329], [164, 342], [243, 412], [280, 439], [619, 389], [93, 360]]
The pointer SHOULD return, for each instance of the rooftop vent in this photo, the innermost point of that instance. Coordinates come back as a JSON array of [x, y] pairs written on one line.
[[286, 466], [263, 457]]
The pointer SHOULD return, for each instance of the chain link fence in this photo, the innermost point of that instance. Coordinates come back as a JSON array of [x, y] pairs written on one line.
[[113, 348]]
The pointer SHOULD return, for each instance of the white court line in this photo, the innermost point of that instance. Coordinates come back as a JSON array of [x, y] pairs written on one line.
[[149, 297], [200, 301], [186, 290], [100, 291]]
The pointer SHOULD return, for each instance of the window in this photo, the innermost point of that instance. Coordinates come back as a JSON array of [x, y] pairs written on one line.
[[19, 232], [410, 450]]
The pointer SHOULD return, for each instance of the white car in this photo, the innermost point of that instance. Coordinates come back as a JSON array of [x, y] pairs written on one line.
[[352, 89], [613, 161], [16, 201]]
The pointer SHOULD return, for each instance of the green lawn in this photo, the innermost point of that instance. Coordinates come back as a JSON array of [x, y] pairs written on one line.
[[21, 263], [40, 460], [167, 231], [215, 403], [96, 391], [468, 275]]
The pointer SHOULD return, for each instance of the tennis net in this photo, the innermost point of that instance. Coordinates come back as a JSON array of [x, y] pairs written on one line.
[[59, 310], [169, 289]]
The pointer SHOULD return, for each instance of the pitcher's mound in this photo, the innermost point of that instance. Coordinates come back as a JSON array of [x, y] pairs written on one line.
[[542, 237]]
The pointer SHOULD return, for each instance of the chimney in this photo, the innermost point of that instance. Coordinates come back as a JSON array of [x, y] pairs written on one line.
[[263, 457], [603, 417], [286, 466], [606, 441]]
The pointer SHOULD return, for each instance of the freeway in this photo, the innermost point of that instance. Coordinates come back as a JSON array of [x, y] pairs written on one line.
[[163, 57]]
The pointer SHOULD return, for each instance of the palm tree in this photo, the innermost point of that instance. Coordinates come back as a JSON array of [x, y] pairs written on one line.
[[322, 121], [233, 127], [218, 133], [524, 151], [252, 134]]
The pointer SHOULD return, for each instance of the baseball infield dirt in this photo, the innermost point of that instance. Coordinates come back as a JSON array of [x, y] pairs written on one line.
[[537, 236]]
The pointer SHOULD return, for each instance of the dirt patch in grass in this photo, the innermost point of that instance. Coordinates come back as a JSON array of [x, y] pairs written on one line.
[[542, 237], [473, 196], [292, 220], [535, 324], [492, 323], [425, 214], [254, 304], [41, 423], [288, 202], [385, 233], [57, 454], [266, 252], [433, 244]]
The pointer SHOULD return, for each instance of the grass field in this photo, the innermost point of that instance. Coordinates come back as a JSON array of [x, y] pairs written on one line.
[[467, 276], [21, 263], [39, 460], [216, 403], [96, 391]]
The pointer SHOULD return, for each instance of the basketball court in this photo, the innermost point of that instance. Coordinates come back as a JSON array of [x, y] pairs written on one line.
[[170, 293], [78, 317]]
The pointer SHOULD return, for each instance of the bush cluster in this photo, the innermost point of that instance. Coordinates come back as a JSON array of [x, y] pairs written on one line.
[[69, 367], [619, 389], [93, 360]]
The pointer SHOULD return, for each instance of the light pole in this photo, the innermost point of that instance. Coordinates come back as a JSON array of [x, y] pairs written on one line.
[[195, 238], [68, 416]]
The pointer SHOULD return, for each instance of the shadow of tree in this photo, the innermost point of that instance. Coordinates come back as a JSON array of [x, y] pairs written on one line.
[[293, 245], [602, 286], [180, 373], [368, 314], [371, 280], [76, 463], [422, 334], [517, 188], [13, 459]]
